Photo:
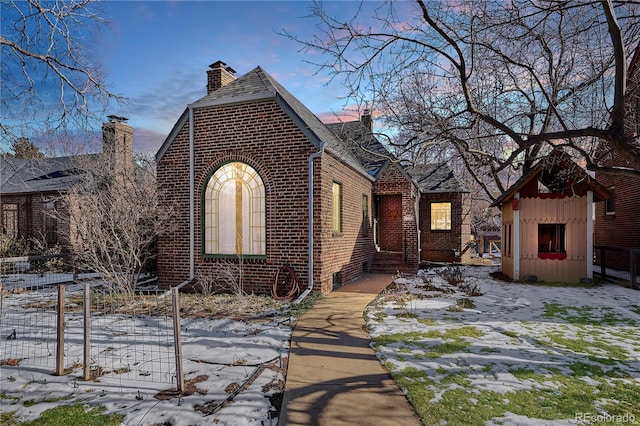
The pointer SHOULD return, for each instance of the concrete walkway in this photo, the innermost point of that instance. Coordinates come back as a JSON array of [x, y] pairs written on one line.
[[334, 377]]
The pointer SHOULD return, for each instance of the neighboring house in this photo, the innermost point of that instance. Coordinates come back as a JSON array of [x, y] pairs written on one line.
[[30, 189], [547, 222], [618, 220], [254, 177]]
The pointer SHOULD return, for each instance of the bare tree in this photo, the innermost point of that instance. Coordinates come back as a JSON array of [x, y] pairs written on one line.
[[494, 85], [47, 77], [114, 220]]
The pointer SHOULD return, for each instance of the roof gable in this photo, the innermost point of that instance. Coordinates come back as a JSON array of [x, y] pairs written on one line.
[[433, 178], [560, 175], [359, 139], [259, 85]]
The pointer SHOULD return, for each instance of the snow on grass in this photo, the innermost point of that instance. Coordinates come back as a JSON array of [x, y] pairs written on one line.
[[234, 363], [516, 354]]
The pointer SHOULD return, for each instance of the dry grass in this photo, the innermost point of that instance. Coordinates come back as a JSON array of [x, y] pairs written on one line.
[[230, 305]]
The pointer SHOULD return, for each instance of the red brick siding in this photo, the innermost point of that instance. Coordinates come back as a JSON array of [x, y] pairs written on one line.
[[621, 229], [346, 251], [31, 217], [393, 182], [263, 136]]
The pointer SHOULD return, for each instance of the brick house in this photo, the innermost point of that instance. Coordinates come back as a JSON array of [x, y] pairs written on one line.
[[618, 221], [547, 222], [30, 189], [253, 176]]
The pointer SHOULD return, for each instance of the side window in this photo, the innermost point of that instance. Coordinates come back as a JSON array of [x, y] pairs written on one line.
[[440, 216], [337, 207], [610, 204], [49, 222], [234, 203], [365, 214]]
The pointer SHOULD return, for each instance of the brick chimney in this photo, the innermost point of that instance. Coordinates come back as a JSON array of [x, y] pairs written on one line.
[[366, 119], [117, 144], [219, 75]]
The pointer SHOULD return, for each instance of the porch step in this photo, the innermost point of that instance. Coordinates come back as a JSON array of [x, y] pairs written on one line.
[[390, 262]]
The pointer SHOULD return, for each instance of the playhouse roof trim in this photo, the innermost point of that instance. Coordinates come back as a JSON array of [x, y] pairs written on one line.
[[554, 162]]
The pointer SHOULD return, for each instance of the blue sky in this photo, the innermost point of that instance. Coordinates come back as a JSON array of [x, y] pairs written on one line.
[[157, 53]]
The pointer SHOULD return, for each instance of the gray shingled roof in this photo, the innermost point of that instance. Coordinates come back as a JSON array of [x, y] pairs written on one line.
[[18, 175], [364, 145], [436, 178], [258, 84], [352, 142], [374, 156]]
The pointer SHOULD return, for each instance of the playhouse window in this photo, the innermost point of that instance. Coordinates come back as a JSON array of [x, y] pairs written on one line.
[[440, 216], [552, 240], [337, 207], [234, 212]]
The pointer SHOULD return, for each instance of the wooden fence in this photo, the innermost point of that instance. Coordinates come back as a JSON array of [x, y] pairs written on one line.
[[634, 255]]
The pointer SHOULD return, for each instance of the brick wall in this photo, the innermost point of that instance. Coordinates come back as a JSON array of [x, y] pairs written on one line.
[[621, 229], [342, 252], [393, 182], [32, 218], [439, 246], [263, 136]]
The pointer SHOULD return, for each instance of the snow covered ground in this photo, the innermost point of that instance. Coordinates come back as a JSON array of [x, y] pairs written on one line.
[[472, 355], [234, 368], [514, 353]]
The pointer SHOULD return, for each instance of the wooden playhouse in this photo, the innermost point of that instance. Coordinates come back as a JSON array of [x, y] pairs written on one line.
[[547, 222]]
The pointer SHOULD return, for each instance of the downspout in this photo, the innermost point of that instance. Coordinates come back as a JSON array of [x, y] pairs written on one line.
[[309, 288], [192, 168]]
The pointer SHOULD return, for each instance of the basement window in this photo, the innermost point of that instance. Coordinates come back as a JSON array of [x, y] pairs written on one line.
[[552, 241]]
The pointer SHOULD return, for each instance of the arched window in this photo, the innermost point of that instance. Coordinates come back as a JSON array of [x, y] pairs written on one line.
[[234, 212]]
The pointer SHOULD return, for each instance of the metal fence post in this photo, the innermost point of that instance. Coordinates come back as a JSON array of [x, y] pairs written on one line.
[[86, 370], [60, 331], [177, 339]]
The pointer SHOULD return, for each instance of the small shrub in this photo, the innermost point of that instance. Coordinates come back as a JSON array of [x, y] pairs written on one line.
[[453, 275], [471, 290], [227, 275], [13, 247]]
